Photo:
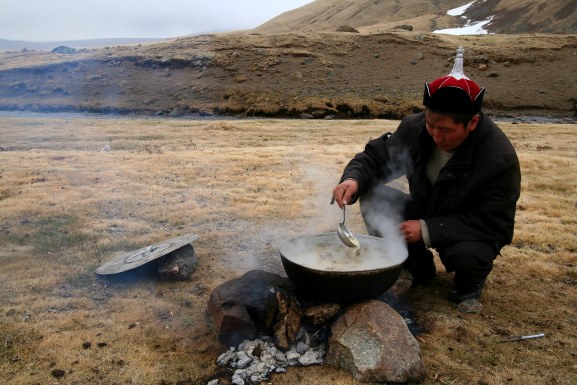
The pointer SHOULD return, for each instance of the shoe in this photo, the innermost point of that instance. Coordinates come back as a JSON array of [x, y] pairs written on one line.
[[458, 295]]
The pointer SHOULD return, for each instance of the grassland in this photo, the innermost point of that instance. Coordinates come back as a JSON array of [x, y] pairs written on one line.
[[244, 186]]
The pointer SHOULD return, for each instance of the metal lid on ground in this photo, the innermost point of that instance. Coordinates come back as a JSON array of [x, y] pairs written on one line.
[[134, 259]]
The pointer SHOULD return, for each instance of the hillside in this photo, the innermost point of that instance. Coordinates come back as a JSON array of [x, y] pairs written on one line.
[[287, 74], [17, 45], [507, 16]]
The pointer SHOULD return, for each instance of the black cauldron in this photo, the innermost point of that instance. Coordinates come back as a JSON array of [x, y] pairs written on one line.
[[321, 267]]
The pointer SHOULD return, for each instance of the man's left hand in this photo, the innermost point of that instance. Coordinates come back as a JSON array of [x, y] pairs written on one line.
[[411, 231]]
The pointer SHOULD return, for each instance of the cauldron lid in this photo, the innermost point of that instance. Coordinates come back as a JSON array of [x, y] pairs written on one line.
[[325, 252], [133, 259]]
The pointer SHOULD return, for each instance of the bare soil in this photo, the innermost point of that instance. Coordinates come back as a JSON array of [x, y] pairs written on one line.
[[347, 75], [244, 186]]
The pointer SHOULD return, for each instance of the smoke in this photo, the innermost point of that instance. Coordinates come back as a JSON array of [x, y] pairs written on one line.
[[317, 245], [323, 216], [383, 208], [382, 212]]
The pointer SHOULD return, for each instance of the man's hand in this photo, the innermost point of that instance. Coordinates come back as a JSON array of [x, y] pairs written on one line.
[[411, 231], [345, 191]]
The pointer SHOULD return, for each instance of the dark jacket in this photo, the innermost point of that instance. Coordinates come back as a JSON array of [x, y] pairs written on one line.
[[475, 195]]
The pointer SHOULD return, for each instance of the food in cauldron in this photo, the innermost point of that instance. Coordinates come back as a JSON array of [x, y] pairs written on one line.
[[321, 267]]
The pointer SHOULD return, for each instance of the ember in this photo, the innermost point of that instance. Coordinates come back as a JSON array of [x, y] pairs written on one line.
[[256, 360]]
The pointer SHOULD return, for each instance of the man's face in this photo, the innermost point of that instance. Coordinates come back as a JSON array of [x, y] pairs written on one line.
[[447, 134]]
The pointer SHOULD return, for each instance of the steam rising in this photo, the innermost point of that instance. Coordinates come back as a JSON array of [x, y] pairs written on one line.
[[319, 219], [318, 246]]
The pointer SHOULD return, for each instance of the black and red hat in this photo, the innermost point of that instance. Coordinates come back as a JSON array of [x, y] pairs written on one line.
[[454, 93]]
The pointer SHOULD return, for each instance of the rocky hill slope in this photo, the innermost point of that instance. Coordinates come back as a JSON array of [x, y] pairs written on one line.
[[503, 16], [341, 74]]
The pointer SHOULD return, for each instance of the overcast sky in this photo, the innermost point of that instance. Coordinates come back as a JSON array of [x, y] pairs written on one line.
[[52, 20]]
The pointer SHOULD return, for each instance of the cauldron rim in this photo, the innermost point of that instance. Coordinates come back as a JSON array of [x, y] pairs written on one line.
[[340, 285], [340, 272]]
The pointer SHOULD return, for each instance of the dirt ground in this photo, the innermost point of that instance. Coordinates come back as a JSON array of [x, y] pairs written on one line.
[[244, 186], [346, 75]]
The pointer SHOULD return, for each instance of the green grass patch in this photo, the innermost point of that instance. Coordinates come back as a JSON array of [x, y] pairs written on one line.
[[58, 234]]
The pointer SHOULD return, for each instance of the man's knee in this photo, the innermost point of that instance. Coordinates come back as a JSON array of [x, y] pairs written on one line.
[[474, 259]]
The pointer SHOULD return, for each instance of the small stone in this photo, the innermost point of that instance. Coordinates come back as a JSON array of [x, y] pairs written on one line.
[[226, 357], [292, 358], [247, 345], [470, 305], [318, 114], [311, 357], [280, 357], [243, 360], [58, 373], [347, 28], [237, 380], [297, 75], [322, 314], [302, 348]]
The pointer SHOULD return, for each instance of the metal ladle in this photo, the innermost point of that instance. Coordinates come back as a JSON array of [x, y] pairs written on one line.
[[344, 234]]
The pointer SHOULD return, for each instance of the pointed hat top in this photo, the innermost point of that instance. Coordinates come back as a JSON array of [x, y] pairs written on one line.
[[454, 92]]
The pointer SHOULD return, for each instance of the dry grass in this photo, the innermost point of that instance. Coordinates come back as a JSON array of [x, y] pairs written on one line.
[[243, 186]]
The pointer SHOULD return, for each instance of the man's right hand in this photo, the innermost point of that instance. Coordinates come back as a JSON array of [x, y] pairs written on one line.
[[345, 191]]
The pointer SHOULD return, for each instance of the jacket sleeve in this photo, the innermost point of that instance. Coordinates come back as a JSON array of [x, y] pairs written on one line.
[[367, 167], [381, 161]]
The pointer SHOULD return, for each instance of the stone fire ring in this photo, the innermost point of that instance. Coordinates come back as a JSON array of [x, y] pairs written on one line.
[[144, 255]]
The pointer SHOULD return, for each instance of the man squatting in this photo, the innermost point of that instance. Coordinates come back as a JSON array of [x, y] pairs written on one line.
[[464, 181]]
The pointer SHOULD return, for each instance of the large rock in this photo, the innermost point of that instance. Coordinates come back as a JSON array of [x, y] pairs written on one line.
[[347, 28], [289, 314], [179, 264], [373, 343], [245, 307], [176, 112], [64, 50]]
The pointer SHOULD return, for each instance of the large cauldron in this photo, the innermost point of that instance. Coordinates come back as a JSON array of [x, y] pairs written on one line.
[[321, 267]]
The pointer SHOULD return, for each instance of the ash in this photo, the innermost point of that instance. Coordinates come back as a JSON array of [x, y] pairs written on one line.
[[256, 360]]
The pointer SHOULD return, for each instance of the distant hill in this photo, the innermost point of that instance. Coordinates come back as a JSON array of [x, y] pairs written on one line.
[[291, 66], [506, 16], [17, 45]]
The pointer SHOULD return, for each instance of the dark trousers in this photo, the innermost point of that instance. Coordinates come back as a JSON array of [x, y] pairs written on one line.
[[384, 207]]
